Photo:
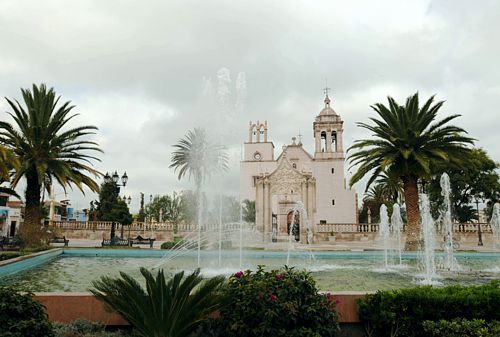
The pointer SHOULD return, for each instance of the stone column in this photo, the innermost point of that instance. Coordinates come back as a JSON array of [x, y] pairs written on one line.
[[311, 196], [258, 206], [267, 213], [339, 141], [317, 138], [328, 141]]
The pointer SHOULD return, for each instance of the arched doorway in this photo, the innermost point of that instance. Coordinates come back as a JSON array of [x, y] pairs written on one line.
[[293, 224]]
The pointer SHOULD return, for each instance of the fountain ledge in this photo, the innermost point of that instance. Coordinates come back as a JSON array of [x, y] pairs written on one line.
[[65, 307]]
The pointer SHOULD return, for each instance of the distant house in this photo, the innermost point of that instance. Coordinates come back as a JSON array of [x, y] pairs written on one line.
[[63, 211], [11, 215]]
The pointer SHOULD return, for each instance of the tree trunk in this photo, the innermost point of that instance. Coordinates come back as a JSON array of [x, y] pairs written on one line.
[[412, 214], [31, 231]]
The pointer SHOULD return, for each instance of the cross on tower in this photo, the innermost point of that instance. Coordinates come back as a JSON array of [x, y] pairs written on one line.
[[300, 137], [326, 90]]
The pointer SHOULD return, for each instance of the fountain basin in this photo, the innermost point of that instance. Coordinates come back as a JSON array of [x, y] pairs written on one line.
[[72, 270]]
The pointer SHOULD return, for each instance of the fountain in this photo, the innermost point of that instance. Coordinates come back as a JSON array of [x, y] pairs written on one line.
[[450, 263], [384, 233], [429, 238], [299, 210], [495, 225], [397, 228]]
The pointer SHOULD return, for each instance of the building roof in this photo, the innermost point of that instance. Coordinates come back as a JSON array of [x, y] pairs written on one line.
[[327, 110]]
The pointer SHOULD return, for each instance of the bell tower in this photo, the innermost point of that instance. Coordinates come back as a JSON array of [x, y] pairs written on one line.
[[258, 147], [328, 130]]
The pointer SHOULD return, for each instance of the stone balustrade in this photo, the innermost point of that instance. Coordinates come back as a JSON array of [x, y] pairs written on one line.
[[145, 226], [373, 228]]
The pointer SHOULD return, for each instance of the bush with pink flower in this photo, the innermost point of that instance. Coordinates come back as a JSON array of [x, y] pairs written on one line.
[[274, 303]]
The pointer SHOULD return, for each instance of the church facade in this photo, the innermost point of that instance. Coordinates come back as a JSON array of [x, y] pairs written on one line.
[[297, 190]]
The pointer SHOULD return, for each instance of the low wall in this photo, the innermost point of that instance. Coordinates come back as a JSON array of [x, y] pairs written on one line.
[[66, 307], [99, 234]]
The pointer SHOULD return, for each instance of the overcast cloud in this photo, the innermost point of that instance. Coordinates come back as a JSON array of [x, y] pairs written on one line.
[[139, 70]]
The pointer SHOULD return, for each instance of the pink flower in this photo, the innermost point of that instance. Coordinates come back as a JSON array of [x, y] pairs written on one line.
[[239, 274], [337, 301], [279, 276], [273, 297]]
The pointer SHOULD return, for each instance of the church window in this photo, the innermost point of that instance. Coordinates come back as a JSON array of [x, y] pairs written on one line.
[[333, 202], [333, 170], [334, 141], [261, 132], [323, 141], [322, 222]]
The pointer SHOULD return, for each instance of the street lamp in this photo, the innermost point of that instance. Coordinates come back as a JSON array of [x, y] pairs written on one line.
[[477, 200], [114, 178]]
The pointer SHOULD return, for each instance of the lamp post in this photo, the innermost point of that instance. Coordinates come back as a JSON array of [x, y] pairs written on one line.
[[114, 178], [477, 200]]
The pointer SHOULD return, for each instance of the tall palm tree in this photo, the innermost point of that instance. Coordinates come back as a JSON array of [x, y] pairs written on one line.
[[173, 308], [47, 150], [408, 142], [198, 157]]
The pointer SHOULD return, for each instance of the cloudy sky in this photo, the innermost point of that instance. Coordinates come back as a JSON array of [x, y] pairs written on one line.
[[145, 72]]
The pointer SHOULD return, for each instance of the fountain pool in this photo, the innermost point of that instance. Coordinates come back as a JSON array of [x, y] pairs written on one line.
[[74, 269]]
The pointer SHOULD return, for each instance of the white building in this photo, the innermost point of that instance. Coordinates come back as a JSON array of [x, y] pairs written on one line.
[[10, 216], [297, 178]]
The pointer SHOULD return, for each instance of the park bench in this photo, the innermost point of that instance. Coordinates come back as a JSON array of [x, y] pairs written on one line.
[[139, 240], [116, 241], [11, 243], [58, 239]]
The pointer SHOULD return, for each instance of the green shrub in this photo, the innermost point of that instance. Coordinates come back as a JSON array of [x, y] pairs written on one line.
[[402, 312], [84, 328], [9, 255], [178, 241], [22, 316], [462, 328], [274, 303]]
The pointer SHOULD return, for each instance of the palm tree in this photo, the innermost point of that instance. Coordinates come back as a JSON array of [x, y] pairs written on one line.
[[407, 142], [173, 308], [8, 162], [198, 158], [391, 186], [47, 150]]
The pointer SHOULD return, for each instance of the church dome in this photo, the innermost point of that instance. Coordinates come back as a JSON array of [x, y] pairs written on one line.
[[327, 110]]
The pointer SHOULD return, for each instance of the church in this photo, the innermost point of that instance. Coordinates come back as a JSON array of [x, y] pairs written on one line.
[[297, 189]]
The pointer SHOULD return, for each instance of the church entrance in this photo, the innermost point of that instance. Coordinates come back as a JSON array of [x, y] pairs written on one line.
[[293, 224]]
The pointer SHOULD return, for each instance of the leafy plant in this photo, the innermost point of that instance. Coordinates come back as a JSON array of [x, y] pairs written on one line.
[[84, 328], [21, 316], [462, 328], [274, 303], [178, 241], [173, 308], [402, 312]]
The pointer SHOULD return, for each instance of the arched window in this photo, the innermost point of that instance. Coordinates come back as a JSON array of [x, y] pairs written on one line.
[[323, 141], [334, 141]]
